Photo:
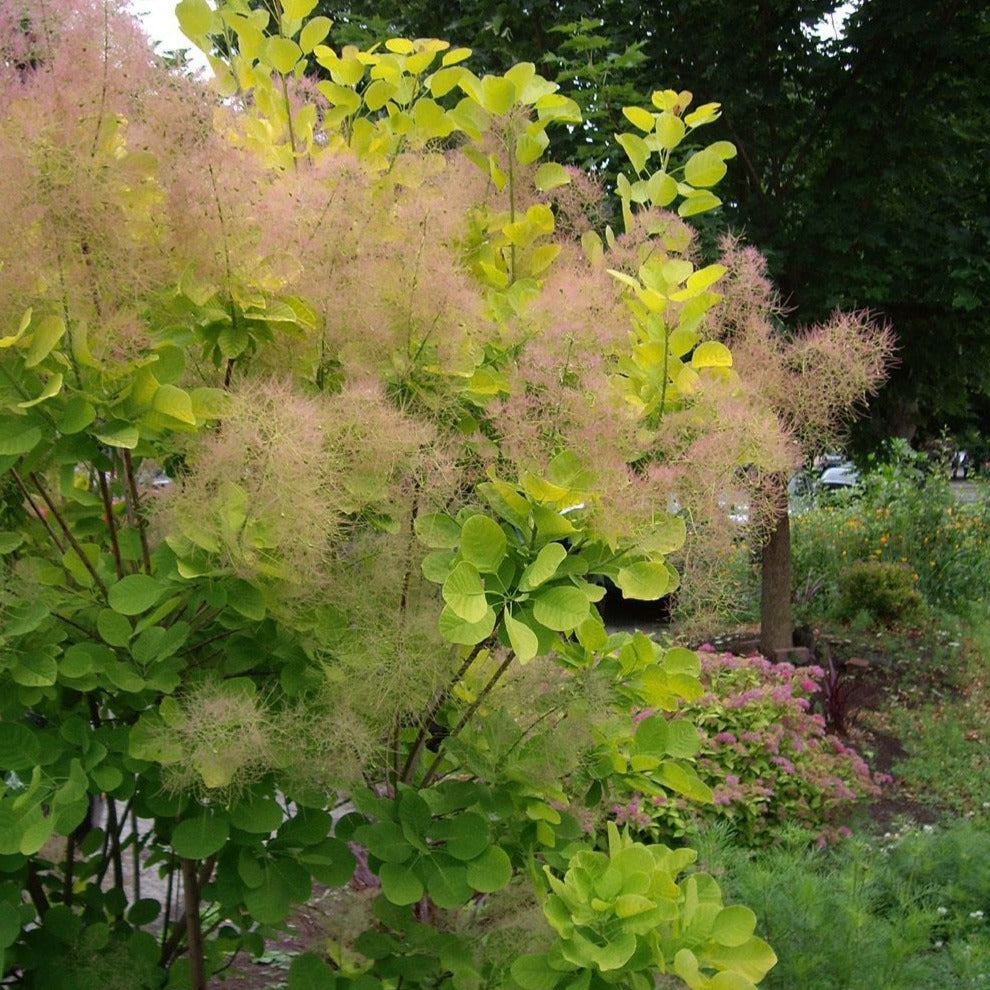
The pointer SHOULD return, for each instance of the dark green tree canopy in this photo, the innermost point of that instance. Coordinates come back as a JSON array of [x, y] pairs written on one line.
[[863, 158]]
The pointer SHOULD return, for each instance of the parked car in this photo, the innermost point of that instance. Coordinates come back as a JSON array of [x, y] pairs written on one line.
[[841, 477]]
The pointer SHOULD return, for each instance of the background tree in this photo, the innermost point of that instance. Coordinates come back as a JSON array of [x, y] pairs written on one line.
[[862, 157]]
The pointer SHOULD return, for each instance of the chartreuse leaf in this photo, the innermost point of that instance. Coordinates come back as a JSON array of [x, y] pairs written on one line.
[[21, 330], [670, 130], [543, 567], [646, 580], [752, 960], [175, 403], [47, 334], [711, 354], [667, 534], [733, 925], [483, 544], [729, 980], [195, 18], [640, 118], [456, 630], [314, 33], [464, 593], [561, 607], [282, 54], [551, 175], [700, 201], [524, 642], [685, 782], [120, 435], [53, 387]]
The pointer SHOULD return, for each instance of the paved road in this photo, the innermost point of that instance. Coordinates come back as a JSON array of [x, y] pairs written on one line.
[[967, 491]]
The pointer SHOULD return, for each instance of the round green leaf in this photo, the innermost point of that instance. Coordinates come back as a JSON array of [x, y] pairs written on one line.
[[331, 862], [261, 815], [524, 642], [543, 567], [19, 747], [646, 580], [491, 871], [464, 593], [18, 439], [121, 435], [34, 670], [385, 841], [733, 925], [144, 911], [197, 838], [135, 594], [533, 972], [399, 884], [561, 608], [446, 881], [466, 835], [438, 530], [113, 627], [10, 924], [36, 834], [704, 168], [436, 566], [10, 541], [551, 175], [282, 54], [310, 972], [76, 415], [456, 630], [483, 543]]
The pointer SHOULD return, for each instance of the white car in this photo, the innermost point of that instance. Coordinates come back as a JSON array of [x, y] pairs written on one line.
[[841, 477]]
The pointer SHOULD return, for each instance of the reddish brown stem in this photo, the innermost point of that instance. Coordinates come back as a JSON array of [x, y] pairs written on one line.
[[63, 525]]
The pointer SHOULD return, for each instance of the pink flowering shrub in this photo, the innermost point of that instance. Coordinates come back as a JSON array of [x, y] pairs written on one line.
[[764, 753]]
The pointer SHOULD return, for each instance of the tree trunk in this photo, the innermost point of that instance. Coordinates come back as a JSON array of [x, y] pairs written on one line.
[[776, 627]]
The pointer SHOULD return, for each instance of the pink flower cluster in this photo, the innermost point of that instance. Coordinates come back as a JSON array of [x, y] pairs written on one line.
[[764, 752]]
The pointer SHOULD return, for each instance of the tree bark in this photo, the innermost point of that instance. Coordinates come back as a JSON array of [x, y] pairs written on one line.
[[776, 626]]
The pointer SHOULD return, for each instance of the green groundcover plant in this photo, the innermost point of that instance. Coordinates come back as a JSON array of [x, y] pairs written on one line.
[[905, 911], [324, 414]]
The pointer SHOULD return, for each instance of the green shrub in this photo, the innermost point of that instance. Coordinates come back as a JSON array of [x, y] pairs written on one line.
[[903, 517], [885, 592], [908, 912]]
